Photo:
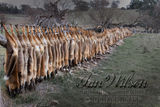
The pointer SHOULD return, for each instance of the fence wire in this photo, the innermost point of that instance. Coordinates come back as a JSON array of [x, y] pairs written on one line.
[[2, 58]]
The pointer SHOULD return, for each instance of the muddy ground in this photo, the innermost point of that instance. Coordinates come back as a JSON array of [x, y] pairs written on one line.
[[137, 57]]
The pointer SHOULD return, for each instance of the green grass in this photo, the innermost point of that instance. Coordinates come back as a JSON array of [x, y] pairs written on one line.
[[28, 99], [139, 53]]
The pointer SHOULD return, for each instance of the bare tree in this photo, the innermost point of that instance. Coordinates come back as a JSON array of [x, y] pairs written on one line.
[[115, 4], [98, 4], [149, 13], [54, 13], [32, 12], [156, 16], [81, 5], [66, 5], [101, 15], [150, 18]]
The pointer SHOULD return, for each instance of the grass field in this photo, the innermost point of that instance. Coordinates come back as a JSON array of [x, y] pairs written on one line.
[[18, 19], [139, 53]]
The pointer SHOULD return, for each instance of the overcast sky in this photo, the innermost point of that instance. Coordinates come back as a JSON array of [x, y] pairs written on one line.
[[39, 3]]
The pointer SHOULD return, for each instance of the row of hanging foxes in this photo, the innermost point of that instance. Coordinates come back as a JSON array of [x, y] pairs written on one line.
[[35, 53]]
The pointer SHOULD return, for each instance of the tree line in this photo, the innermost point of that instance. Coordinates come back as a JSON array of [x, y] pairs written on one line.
[[150, 13], [8, 8]]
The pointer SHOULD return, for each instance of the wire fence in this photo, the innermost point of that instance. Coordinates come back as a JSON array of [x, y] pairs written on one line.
[[2, 51]]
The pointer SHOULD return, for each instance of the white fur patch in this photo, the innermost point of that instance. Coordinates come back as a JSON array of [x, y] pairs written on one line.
[[56, 33], [37, 48], [6, 77], [65, 34], [44, 40], [42, 77]]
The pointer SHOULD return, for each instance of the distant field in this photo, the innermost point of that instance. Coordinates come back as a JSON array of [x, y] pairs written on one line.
[[139, 53], [18, 19], [82, 18]]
